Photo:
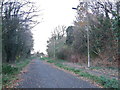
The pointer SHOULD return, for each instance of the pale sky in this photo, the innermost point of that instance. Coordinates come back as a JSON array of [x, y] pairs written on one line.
[[54, 13]]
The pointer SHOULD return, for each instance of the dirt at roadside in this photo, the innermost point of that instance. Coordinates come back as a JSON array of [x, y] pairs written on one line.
[[109, 73]]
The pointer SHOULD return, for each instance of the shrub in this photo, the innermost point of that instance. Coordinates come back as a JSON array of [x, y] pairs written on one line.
[[8, 69], [51, 61], [5, 79], [61, 54], [108, 83]]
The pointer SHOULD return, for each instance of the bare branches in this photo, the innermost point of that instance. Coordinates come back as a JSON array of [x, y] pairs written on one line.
[[18, 20]]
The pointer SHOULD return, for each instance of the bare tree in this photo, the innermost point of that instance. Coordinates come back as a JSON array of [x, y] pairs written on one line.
[[17, 19]]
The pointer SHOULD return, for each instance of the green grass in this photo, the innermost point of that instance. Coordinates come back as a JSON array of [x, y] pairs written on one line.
[[0, 81], [44, 58], [76, 71], [113, 68], [22, 64], [105, 82], [0, 75], [97, 68], [9, 71], [51, 61], [32, 57]]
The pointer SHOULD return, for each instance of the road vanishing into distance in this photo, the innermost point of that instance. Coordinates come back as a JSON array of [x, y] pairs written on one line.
[[42, 75]]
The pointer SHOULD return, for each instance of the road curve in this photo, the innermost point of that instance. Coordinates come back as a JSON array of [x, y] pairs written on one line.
[[41, 75]]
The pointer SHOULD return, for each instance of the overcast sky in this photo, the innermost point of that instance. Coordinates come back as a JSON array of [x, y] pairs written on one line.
[[54, 13]]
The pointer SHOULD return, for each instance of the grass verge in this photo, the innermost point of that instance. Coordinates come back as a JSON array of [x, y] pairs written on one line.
[[0, 81], [0, 75], [9, 71], [102, 80]]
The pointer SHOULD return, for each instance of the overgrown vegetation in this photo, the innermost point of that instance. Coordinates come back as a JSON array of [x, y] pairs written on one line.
[[17, 22], [0, 54], [10, 71], [101, 19], [17, 39], [102, 80]]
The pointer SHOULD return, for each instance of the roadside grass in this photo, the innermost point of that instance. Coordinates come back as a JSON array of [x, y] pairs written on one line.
[[0, 75], [105, 82], [98, 68], [113, 68], [44, 58], [9, 71], [0, 81], [51, 61], [76, 71], [32, 57], [102, 80]]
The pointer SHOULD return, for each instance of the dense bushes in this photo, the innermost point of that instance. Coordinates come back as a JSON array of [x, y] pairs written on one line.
[[17, 38], [63, 53], [102, 24], [8, 69], [7, 73]]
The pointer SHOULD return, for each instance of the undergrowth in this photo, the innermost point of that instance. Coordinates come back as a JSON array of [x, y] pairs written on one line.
[[9, 71], [105, 82]]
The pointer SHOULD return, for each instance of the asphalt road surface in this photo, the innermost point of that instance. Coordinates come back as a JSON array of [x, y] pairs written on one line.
[[41, 75]]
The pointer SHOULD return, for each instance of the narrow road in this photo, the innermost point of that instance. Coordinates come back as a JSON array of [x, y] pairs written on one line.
[[41, 75]]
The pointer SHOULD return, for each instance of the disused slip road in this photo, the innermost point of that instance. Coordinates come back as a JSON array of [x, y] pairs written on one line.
[[41, 75]]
